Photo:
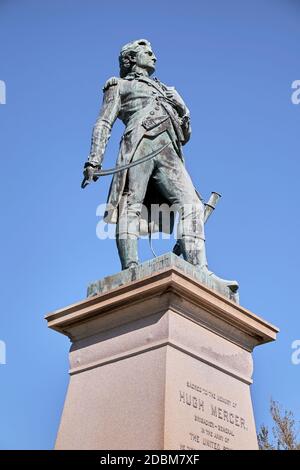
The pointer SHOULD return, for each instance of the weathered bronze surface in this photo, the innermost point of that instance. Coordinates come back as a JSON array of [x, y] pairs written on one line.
[[150, 171]]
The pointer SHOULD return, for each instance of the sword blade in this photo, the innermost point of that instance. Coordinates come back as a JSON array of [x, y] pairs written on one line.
[[117, 169]]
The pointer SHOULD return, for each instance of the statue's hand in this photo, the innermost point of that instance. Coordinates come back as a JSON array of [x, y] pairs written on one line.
[[177, 101], [89, 174]]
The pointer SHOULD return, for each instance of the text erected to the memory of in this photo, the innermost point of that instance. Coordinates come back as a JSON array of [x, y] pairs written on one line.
[[216, 417]]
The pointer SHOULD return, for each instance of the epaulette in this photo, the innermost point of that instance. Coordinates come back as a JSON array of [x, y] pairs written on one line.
[[112, 81]]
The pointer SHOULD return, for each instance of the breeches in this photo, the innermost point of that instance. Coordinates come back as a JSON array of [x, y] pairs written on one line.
[[170, 178]]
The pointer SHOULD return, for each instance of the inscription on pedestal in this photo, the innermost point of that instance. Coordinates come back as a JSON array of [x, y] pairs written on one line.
[[214, 419]]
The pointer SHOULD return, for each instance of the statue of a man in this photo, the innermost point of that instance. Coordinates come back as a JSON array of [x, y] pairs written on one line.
[[157, 125]]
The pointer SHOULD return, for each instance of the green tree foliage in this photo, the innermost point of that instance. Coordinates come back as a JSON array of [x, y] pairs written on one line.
[[284, 434]]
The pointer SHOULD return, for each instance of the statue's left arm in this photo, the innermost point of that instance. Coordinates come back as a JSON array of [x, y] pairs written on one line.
[[183, 113]]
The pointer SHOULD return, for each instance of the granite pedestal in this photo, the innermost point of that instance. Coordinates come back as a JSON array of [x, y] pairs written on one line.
[[159, 361]]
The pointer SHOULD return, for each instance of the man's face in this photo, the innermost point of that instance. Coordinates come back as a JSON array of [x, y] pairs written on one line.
[[146, 59]]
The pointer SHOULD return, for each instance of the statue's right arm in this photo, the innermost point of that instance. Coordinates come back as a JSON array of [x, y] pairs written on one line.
[[108, 114]]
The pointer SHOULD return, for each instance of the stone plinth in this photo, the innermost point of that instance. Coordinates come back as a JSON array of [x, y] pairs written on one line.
[[160, 263], [161, 362]]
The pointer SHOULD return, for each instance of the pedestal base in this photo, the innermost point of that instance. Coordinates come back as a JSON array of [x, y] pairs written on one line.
[[162, 362]]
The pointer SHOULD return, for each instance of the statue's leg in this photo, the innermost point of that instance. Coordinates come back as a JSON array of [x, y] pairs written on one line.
[[175, 183], [128, 251], [190, 229], [128, 226]]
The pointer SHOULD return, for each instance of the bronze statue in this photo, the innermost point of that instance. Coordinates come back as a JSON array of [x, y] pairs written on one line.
[[150, 168]]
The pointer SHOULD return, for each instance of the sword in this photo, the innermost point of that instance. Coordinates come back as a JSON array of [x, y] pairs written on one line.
[[117, 169]]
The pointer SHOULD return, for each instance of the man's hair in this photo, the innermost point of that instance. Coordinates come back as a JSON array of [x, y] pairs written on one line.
[[128, 52]]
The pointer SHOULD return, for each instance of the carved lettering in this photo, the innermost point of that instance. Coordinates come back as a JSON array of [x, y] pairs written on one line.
[[231, 418], [190, 400]]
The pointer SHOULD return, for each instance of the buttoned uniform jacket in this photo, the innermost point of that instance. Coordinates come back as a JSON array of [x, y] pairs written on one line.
[[141, 103]]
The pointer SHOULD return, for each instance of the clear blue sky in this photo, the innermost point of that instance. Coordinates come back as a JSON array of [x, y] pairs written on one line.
[[234, 63]]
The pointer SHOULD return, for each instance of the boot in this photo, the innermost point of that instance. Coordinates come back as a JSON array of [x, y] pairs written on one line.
[[197, 257], [128, 252]]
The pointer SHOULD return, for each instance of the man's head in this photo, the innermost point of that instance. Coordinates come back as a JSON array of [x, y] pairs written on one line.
[[137, 55]]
